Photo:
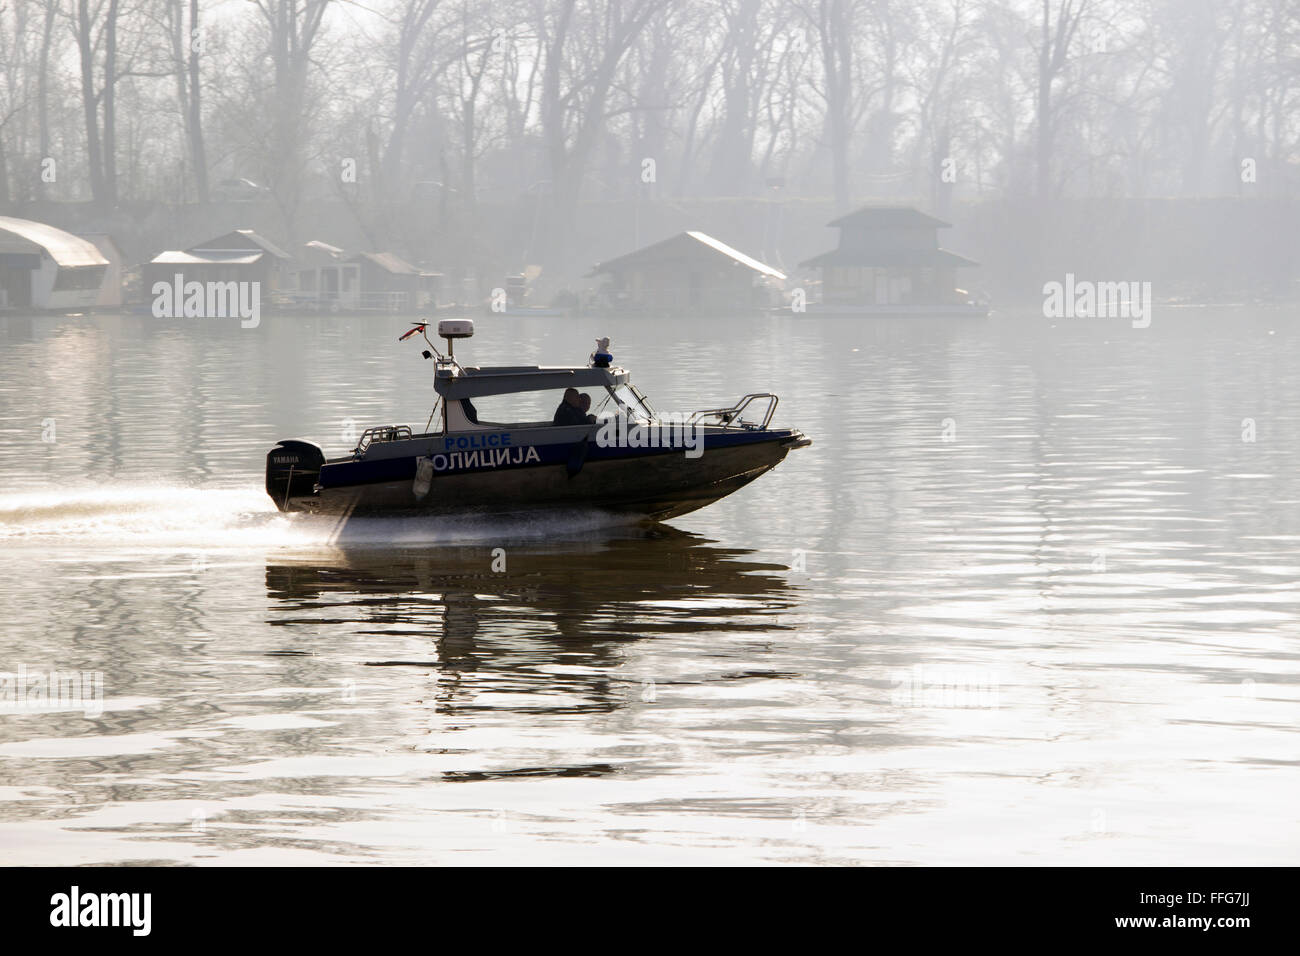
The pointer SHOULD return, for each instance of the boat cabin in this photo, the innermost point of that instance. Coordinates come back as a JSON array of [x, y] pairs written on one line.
[[508, 397], [522, 396], [481, 406]]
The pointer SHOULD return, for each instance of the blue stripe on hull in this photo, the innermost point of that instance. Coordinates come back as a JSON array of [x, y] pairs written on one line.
[[350, 473]]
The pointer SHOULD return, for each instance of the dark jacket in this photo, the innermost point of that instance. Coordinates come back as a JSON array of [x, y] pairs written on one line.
[[568, 414]]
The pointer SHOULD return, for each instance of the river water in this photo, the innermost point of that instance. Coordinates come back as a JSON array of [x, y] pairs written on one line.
[[1030, 597]]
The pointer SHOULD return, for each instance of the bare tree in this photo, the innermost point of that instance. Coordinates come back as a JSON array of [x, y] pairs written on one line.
[[834, 23], [416, 64], [935, 77], [194, 110], [292, 29], [1053, 54], [50, 11], [582, 42]]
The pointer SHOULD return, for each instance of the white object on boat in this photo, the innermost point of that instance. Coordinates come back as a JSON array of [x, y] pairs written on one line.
[[423, 478], [455, 328]]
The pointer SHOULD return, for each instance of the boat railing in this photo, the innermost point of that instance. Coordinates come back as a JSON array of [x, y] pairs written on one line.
[[732, 417], [381, 433]]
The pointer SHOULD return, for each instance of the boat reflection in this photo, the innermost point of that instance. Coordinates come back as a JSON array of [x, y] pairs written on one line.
[[499, 620]]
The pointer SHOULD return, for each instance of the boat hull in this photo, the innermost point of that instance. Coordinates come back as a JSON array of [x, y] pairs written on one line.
[[656, 485]]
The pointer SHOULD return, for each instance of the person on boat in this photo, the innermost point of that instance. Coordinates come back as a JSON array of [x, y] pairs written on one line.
[[570, 411], [584, 406]]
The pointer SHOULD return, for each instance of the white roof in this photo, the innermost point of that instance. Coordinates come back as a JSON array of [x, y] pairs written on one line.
[[472, 382], [175, 257], [325, 247], [670, 247], [64, 248], [736, 254]]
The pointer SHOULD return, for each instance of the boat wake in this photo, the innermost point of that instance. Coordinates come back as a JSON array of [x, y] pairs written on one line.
[[187, 518], [139, 515]]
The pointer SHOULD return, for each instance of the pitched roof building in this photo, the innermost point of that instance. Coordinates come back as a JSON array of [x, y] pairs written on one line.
[[690, 271], [889, 255], [241, 256], [43, 267], [328, 278]]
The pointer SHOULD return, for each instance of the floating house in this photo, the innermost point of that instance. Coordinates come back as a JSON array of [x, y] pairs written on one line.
[[690, 271], [321, 275], [390, 283], [42, 267], [239, 256], [327, 278], [889, 258]]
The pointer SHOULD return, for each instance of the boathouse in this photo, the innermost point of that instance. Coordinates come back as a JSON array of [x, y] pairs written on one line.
[[391, 284], [321, 276], [887, 256], [239, 256], [327, 277], [690, 271], [42, 267]]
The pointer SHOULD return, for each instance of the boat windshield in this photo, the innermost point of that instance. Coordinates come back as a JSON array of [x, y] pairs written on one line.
[[628, 399]]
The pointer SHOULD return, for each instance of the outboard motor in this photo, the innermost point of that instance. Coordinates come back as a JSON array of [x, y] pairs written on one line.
[[292, 469]]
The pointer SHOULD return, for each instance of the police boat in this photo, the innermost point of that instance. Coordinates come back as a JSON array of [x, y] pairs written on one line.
[[491, 455]]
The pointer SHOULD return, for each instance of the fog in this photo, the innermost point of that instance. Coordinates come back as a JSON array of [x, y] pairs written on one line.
[[486, 138]]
